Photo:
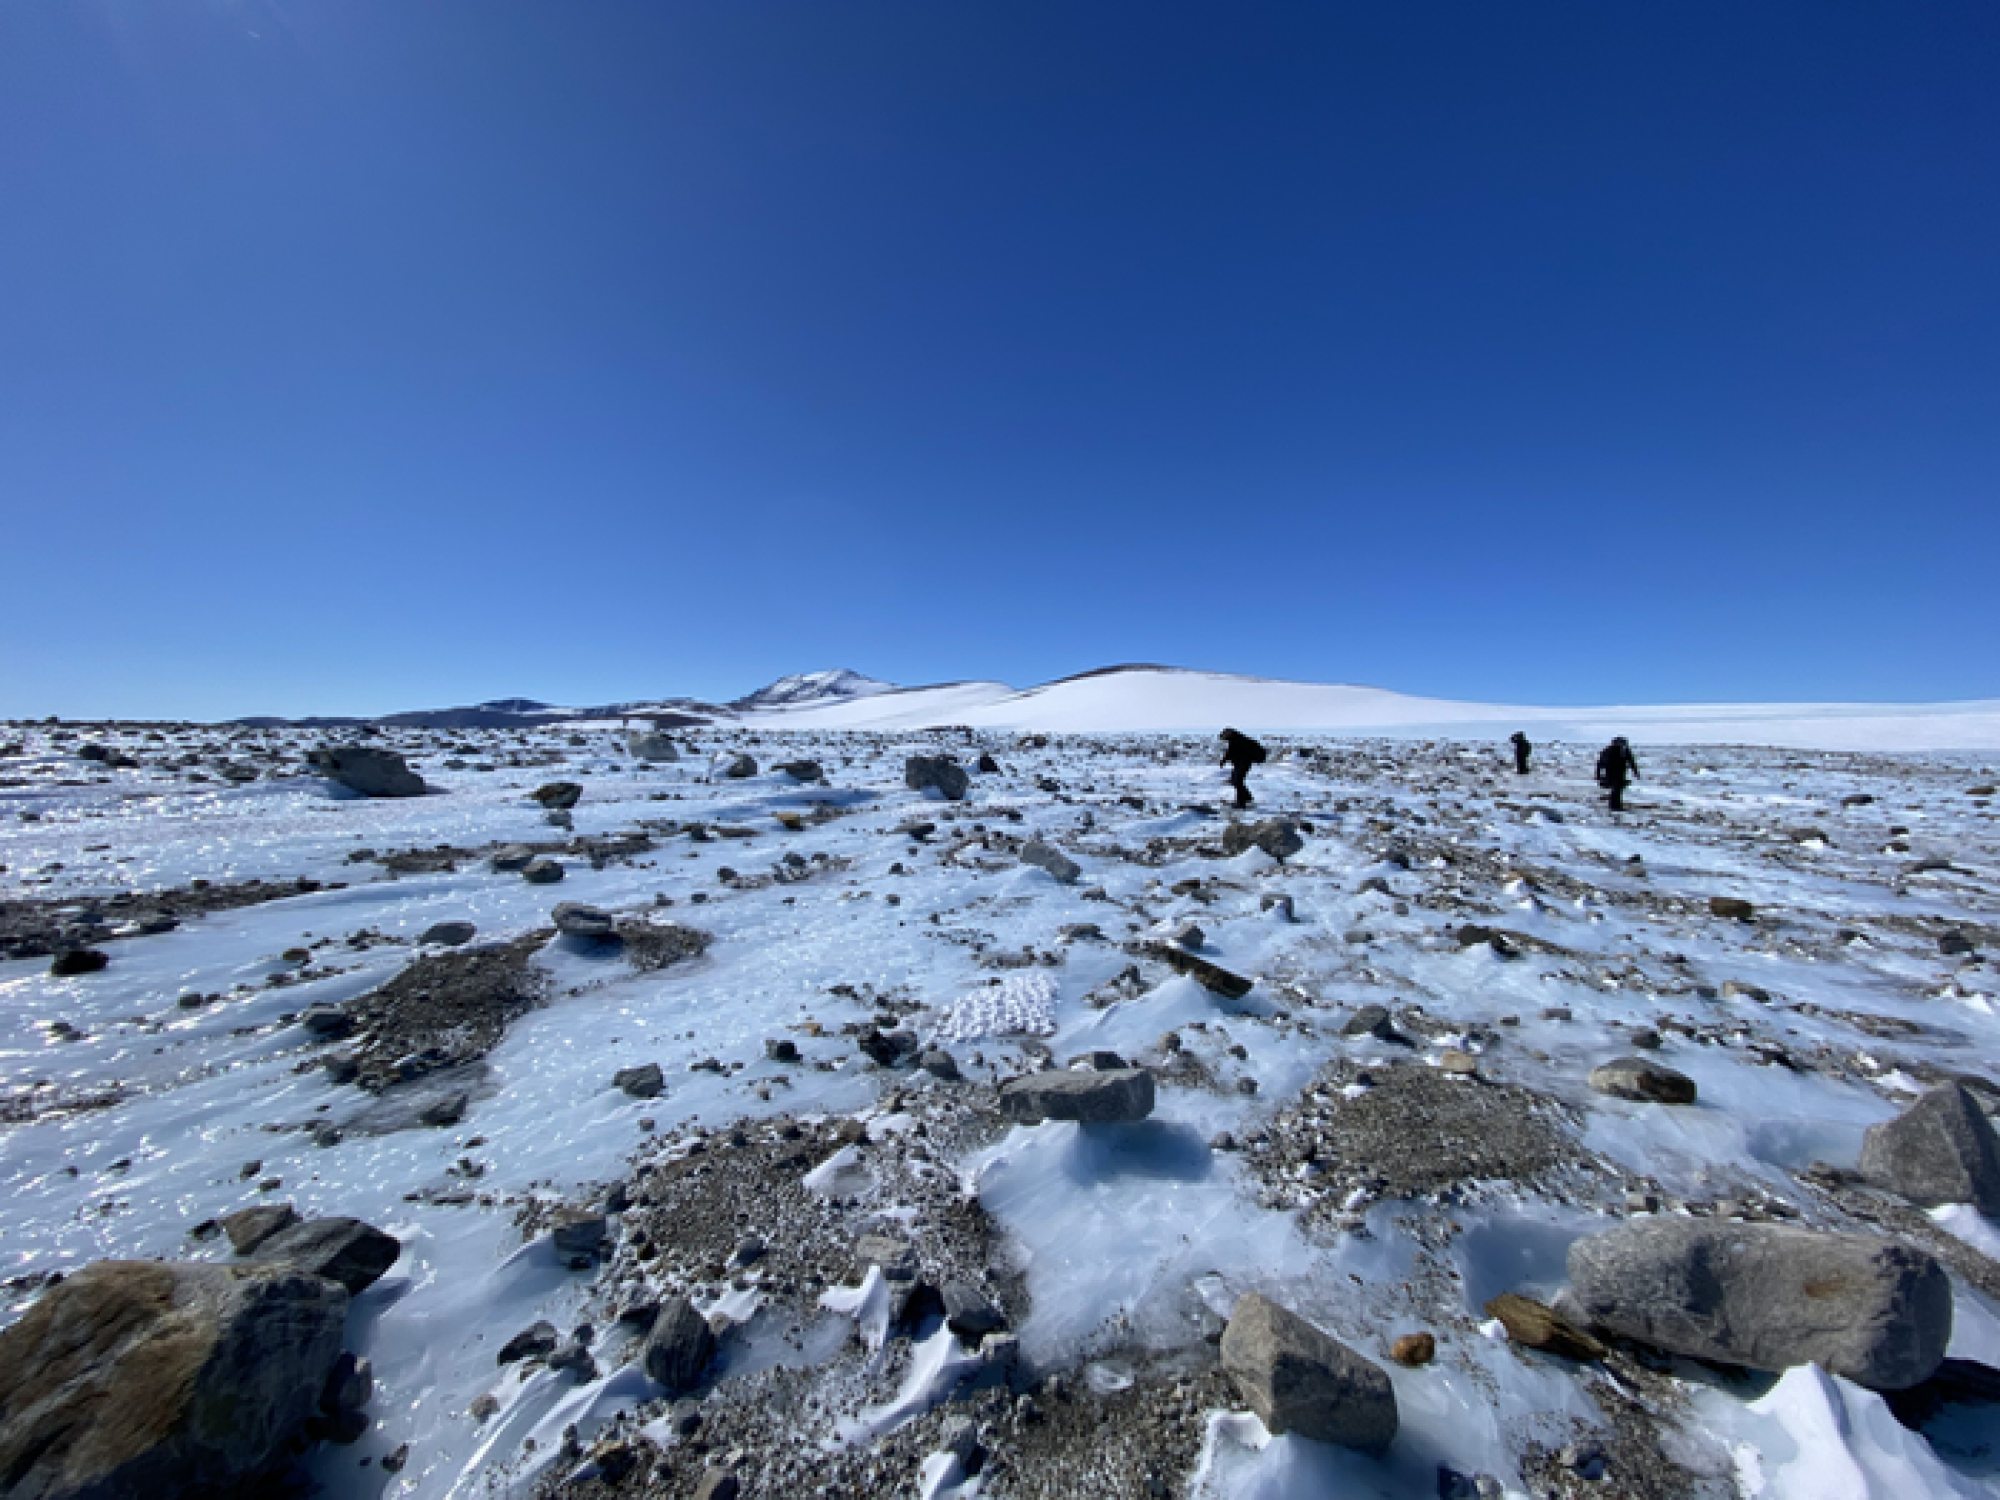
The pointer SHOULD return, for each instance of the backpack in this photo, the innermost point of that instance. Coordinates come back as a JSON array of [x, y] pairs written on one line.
[[1258, 754]]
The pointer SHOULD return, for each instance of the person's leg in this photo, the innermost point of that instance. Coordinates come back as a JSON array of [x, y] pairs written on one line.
[[1617, 797], [1239, 777]]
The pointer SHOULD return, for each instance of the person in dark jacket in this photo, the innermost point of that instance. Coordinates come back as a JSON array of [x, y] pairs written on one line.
[[1240, 753], [1616, 770], [1522, 750]]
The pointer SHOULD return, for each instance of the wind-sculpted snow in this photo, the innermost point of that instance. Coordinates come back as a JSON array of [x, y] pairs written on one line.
[[854, 969]]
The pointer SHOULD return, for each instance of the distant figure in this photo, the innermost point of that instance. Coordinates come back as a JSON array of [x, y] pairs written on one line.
[[1240, 753], [1522, 750], [1616, 770]]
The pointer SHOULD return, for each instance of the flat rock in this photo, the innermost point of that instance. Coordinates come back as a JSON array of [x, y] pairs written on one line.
[[1298, 1379], [576, 920], [167, 1380], [367, 770], [450, 934], [1768, 1296], [1210, 976], [340, 1249], [1939, 1150], [1642, 1081], [1092, 1098], [642, 1082]]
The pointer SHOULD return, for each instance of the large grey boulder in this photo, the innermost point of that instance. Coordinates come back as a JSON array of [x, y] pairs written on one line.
[[364, 769], [340, 1249], [1939, 1150], [171, 1381], [1642, 1082], [1046, 856], [1298, 1379], [679, 1347], [1768, 1296], [1115, 1097], [651, 746], [922, 773], [1277, 837]]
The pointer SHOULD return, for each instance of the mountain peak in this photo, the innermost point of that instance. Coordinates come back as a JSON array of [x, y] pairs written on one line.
[[814, 687]]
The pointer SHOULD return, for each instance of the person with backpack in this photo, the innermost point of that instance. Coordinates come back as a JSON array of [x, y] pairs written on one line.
[[1523, 748], [1240, 753], [1617, 769]]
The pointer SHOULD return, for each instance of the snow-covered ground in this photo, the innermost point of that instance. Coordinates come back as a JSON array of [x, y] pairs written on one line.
[[131, 1118]]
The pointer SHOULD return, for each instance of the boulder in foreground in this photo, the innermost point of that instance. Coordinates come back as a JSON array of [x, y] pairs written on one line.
[[1298, 1379], [1769, 1296], [163, 1380], [1939, 1150], [340, 1249], [1115, 1097], [947, 776], [367, 770]]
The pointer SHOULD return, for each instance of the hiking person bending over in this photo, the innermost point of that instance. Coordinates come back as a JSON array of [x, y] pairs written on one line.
[[1240, 753], [1522, 750], [1616, 770]]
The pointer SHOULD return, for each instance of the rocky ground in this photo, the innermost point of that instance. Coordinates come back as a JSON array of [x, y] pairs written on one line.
[[847, 1113]]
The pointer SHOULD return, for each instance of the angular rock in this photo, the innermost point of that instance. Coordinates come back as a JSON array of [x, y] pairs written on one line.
[[654, 746], [576, 920], [1768, 1296], [1940, 1150], [1732, 908], [340, 1249], [163, 1380], [1277, 837], [897, 1258], [447, 1111], [1298, 1379], [939, 1063], [679, 1346], [642, 1082], [536, 1341], [803, 770], [248, 1228], [1643, 1082], [364, 769], [542, 871], [74, 961], [1210, 976], [1529, 1322], [512, 857], [740, 768], [1045, 856], [936, 772], [1089, 1098], [579, 1232], [969, 1313], [557, 796], [327, 1022], [450, 934]]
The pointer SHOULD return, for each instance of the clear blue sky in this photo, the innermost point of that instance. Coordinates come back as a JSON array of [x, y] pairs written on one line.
[[359, 355]]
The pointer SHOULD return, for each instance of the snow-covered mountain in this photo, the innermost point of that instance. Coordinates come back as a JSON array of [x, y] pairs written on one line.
[[837, 684]]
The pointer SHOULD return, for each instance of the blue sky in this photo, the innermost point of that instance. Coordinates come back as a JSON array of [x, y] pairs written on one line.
[[359, 355]]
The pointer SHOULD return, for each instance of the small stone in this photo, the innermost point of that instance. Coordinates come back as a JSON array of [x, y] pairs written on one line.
[[557, 796], [449, 934], [573, 919], [939, 1064], [718, 1484], [1414, 1349], [542, 871], [969, 1313], [392, 1463], [1529, 1322], [537, 1341], [1462, 1064], [74, 961], [642, 1082], [1643, 1082], [485, 1404], [1046, 856], [1732, 909]]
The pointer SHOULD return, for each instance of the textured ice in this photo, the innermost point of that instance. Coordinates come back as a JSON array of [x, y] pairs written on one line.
[[1019, 1005]]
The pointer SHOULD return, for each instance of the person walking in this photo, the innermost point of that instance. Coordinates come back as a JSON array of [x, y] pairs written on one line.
[[1522, 750], [1240, 753], [1616, 770]]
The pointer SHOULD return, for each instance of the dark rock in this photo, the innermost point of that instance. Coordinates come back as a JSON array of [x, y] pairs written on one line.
[[1954, 944], [1298, 1379], [741, 768], [988, 766], [248, 1228], [1768, 1296], [535, 1342], [343, 1250], [936, 772], [887, 1048], [449, 934], [74, 961], [512, 857], [1642, 1081], [329, 1023], [138, 1378], [781, 1049], [1940, 1150], [578, 1232], [575, 920], [448, 1111], [557, 796], [371, 772], [542, 871], [1210, 976], [803, 770], [939, 1063], [679, 1347], [1089, 1098], [969, 1313], [1277, 837], [642, 1082], [1373, 1020], [1732, 908]]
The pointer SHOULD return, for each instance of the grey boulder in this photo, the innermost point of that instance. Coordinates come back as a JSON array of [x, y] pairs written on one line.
[[1116, 1097], [557, 796], [1768, 1296], [1277, 837], [340, 1249], [642, 1082], [1643, 1082], [1046, 856], [1939, 1150], [679, 1346], [248, 1228], [576, 920], [163, 1380], [449, 934], [653, 746], [542, 871], [939, 773], [1298, 1379], [740, 768], [364, 769]]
